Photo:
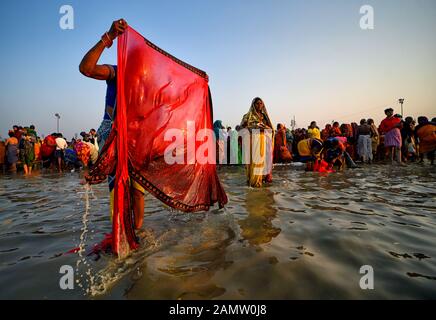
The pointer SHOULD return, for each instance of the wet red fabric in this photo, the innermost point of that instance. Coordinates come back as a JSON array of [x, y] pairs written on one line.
[[156, 92]]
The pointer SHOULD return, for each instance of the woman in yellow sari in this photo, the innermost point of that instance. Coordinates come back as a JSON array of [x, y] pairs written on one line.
[[258, 123]]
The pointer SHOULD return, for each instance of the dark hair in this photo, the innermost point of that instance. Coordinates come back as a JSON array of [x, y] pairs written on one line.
[[422, 120], [389, 110], [11, 134], [363, 121], [370, 121], [32, 127], [317, 144], [335, 123], [255, 100]]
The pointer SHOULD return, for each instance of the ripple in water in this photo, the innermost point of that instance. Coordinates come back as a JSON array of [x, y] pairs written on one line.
[[305, 236]]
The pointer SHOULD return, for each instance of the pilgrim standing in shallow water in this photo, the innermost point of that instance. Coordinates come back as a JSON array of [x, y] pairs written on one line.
[[390, 128], [12, 152], [375, 138], [220, 138], [259, 162], [426, 134], [281, 152], [90, 68], [364, 142]]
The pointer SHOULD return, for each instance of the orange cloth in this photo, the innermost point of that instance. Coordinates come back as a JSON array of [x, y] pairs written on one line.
[[37, 150], [427, 138], [335, 131]]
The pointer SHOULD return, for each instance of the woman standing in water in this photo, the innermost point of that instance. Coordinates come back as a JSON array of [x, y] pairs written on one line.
[[375, 138], [258, 123], [364, 142], [390, 128], [11, 145], [281, 152], [426, 133], [27, 152], [220, 137]]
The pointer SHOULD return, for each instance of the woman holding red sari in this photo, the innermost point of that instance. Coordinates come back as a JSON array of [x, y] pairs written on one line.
[[90, 68], [257, 121], [137, 155]]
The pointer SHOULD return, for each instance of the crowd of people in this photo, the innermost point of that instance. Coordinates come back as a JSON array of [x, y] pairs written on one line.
[[394, 140], [24, 148]]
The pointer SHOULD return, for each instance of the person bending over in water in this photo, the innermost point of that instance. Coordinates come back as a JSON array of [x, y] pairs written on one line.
[[334, 153], [309, 151], [89, 68]]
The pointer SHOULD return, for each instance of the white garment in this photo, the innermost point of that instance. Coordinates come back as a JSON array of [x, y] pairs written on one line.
[[61, 144], [364, 147]]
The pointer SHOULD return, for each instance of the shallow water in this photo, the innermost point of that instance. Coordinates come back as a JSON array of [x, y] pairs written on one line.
[[304, 237]]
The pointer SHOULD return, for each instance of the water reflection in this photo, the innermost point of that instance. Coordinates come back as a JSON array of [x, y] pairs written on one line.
[[258, 228], [185, 269]]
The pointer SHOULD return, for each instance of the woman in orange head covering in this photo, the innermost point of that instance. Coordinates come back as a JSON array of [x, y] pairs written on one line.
[[325, 133], [281, 151], [335, 130]]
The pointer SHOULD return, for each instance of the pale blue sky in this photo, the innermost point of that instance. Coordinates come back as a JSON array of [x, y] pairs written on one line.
[[304, 58]]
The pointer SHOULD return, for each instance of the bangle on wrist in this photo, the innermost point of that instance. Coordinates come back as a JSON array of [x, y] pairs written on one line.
[[107, 41]]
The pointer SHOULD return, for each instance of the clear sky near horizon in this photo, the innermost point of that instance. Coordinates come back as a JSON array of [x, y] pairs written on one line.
[[310, 59]]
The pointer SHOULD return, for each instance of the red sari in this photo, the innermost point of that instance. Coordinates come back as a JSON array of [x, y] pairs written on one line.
[[281, 154], [156, 92]]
